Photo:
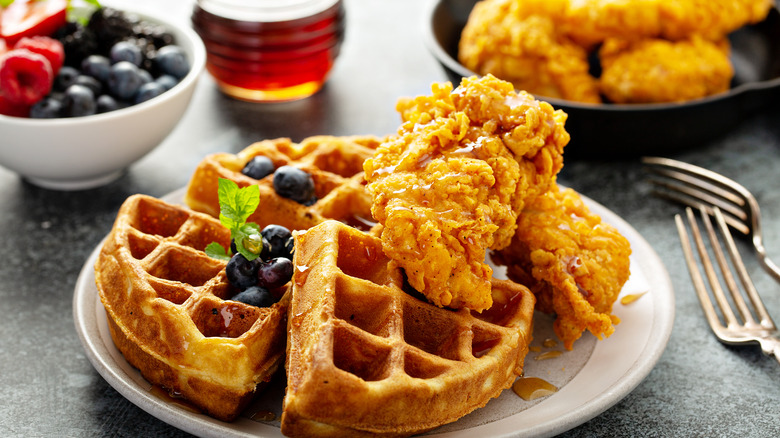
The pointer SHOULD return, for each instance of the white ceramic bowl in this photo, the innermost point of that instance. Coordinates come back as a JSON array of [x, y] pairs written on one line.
[[84, 152]]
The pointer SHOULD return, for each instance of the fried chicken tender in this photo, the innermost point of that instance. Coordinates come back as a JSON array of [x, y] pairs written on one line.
[[589, 22], [574, 263], [655, 71], [452, 181], [517, 41]]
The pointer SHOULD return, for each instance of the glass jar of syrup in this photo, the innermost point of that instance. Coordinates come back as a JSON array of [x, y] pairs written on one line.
[[270, 50]]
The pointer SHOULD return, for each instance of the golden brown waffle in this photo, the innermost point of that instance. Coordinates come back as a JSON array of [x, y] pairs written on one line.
[[335, 164], [366, 357], [168, 312]]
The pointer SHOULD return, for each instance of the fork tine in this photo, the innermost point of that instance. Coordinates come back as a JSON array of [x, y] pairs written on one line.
[[700, 181], [726, 272], [747, 283], [696, 276], [693, 198], [709, 270], [696, 187], [698, 281]]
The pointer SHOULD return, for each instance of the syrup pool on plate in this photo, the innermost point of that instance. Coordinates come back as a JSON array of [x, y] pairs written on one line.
[[270, 50]]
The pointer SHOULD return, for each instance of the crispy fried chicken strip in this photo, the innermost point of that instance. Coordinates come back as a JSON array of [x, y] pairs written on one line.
[[517, 41], [655, 71], [452, 181], [592, 21], [574, 263]]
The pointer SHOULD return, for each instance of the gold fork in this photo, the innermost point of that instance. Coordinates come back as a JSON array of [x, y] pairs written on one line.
[[746, 325], [696, 187]]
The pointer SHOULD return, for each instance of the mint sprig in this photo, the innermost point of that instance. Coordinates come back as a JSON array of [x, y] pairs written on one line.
[[235, 206]]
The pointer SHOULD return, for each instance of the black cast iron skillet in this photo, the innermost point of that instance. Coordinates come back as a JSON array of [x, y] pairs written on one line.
[[614, 131]]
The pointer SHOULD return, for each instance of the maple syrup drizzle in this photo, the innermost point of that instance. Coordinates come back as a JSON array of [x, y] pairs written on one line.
[[630, 298], [263, 415], [531, 388], [548, 355], [550, 343], [173, 399]]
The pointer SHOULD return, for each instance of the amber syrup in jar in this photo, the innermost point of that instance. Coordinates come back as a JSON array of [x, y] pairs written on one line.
[[270, 50]]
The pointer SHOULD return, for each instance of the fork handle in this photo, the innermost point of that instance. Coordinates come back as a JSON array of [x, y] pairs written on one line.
[[770, 267], [771, 347]]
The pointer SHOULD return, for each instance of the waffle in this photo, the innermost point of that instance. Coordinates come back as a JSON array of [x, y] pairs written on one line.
[[167, 311], [366, 356], [335, 164]]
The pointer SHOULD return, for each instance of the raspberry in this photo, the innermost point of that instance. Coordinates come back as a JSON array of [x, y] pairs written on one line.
[[25, 77], [11, 109], [50, 48]]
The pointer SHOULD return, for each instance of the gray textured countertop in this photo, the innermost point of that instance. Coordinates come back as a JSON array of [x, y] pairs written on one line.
[[49, 388]]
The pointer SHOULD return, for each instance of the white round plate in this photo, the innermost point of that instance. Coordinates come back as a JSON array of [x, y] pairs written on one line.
[[591, 378]]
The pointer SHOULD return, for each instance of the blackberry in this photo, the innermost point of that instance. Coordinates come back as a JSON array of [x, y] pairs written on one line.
[[78, 43], [110, 26], [156, 34]]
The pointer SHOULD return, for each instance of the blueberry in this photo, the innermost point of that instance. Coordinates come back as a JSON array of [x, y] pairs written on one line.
[[171, 60], [277, 237], [96, 66], [293, 183], [242, 273], [126, 51], [255, 296], [124, 80], [290, 246], [167, 81], [146, 77], [65, 78], [275, 273], [148, 91], [46, 108], [89, 82], [106, 103], [79, 101], [258, 167]]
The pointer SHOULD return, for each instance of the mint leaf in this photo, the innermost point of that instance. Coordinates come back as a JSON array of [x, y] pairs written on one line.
[[217, 251], [248, 240], [5, 3], [81, 12], [236, 204]]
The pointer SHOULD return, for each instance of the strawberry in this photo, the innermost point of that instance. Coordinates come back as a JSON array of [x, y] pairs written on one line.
[[25, 77], [50, 48], [29, 17]]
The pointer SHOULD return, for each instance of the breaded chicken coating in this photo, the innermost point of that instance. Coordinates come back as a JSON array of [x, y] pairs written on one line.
[[574, 263], [452, 181], [589, 22], [517, 41], [655, 71]]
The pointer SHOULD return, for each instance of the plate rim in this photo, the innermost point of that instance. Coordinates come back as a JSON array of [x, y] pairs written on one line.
[[84, 315]]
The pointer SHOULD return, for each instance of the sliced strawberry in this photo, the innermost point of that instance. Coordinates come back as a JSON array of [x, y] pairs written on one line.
[[25, 77], [28, 18], [50, 48], [3, 47]]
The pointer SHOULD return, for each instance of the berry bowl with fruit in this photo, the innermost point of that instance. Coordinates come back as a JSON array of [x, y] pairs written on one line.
[[81, 99]]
